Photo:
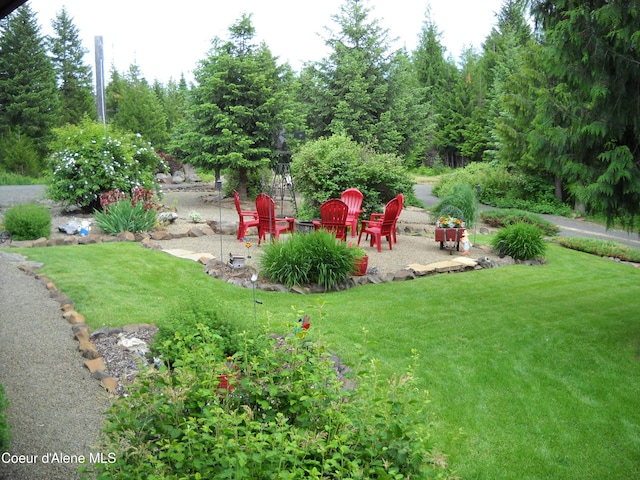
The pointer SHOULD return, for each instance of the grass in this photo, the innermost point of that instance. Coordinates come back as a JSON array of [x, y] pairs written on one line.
[[532, 372]]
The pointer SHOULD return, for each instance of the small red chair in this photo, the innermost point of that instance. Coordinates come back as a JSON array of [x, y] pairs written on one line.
[[267, 220], [244, 224], [333, 218], [383, 228], [353, 198], [377, 217]]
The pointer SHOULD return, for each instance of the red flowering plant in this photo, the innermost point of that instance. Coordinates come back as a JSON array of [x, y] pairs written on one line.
[[127, 213]]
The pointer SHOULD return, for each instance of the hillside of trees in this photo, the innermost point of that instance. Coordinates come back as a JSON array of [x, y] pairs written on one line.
[[552, 95]]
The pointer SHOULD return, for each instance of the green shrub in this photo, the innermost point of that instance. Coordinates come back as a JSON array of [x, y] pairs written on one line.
[[502, 217], [90, 159], [279, 413], [5, 428], [324, 168], [307, 259], [504, 188], [522, 241], [463, 197], [135, 212], [603, 248], [190, 324], [28, 221]]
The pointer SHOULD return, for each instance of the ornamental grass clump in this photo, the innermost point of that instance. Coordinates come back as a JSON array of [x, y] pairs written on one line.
[[124, 213], [315, 258], [522, 241], [28, 221]]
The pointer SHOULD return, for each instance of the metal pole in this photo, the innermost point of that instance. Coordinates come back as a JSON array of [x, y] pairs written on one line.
[[219, 188], [100, 100], [475, 233]]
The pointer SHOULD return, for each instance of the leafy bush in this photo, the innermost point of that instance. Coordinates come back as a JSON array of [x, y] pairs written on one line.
[[307, 259], [90, 159], [324, 168], [190, 324], [123, 214], [522, 241], [19, 154], [279, 413], [502, 217], [503, 188], [603, 248], [462, 197], [5, 428], [28, 221]]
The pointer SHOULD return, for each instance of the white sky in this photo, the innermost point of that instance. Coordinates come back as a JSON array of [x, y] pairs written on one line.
[[166, 42]]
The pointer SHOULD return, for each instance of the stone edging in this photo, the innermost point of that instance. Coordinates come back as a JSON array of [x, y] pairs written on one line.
[[92, 359]]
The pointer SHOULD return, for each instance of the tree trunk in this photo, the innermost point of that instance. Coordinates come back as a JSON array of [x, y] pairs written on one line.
[[558, 189], [243, 180]]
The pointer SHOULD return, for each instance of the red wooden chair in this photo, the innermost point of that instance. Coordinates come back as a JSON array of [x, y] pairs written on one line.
[[353, 198], [244, 224], [333, 218], [377, 217], [383, 228], [268, 222]]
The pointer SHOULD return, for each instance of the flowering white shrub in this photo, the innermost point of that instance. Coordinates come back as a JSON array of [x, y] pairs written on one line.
[[90, 159]]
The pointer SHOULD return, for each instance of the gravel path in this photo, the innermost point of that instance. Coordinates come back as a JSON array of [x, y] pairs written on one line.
[[56, 408]]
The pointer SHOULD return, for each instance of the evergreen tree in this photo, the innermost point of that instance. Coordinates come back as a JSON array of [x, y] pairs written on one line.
[[73, 75], [238, 107], [592, 54], [29, 102], [348, 92], [133, 106], [502, 57], [444, 94], [173, 98]]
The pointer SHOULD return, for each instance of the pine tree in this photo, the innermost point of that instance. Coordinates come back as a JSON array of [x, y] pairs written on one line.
[[133, 106], [591, 51], [238, 106], [443, 93], [73, 75], [29, 101], [348, 92]]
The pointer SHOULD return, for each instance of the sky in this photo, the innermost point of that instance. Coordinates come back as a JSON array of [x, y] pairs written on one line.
[[166, 43]]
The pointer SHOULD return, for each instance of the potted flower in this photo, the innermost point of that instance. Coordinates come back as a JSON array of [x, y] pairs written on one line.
[[360, 260], [447, 221]]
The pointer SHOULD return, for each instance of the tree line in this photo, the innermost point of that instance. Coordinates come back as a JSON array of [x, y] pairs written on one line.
[[552, 93]]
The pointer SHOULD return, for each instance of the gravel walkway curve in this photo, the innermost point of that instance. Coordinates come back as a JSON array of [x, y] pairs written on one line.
[[55, 407]]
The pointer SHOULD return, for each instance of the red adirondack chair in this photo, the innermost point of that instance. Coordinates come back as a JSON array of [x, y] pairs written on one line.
[[268, 222], [333, 218], [353, 198], [244, 224], [383, 228], [377, 217]]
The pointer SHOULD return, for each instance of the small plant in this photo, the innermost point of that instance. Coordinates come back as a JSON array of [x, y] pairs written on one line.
[[522, 241], [508, 216], [307, 259], [124, 213], [28, 221], [5, 428], [195, 217]]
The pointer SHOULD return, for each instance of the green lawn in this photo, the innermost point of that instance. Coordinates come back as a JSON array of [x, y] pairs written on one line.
[[532, 372]]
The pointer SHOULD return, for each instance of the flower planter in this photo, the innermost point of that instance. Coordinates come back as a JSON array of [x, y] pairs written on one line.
[[449, 238], [361, 264]]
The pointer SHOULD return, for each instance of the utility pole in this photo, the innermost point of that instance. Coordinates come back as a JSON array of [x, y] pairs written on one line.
[[100, 101]]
